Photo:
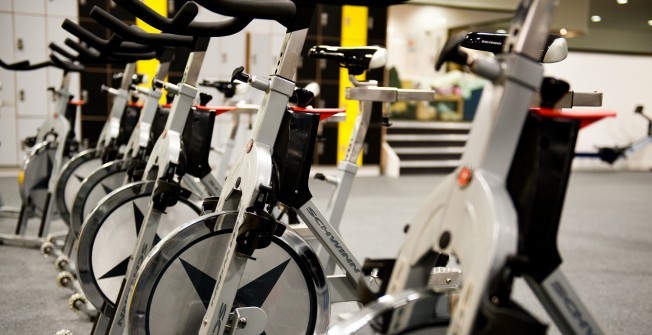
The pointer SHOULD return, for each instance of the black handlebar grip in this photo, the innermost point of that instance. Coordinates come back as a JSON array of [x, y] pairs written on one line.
[[185, 15], [89, 54], [181, 23], [135, 34], [259, 9], [66, 66], [84, 52], [14, 66], [115, 42], [451, 52], [63, 52]]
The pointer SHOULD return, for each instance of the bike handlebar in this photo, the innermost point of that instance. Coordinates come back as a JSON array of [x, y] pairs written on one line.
[[61, 51], [66, 66], [90, 54], [14, 66], [181, 23], [136, 34], [258, 9], [102, 44]]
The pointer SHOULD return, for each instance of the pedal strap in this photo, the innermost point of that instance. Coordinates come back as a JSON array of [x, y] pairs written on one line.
[[379, 269], [256, 232], [166, 194]]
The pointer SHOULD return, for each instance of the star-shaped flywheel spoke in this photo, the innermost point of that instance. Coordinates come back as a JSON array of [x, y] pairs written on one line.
[[107, 189], [253, 294], [118, 270]]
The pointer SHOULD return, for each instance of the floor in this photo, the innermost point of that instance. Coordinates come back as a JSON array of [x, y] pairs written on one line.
[[605, 239]]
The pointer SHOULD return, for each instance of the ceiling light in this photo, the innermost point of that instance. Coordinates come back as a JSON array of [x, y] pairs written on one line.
[[563, 31], [649, 22], [621, 2], [596, 18]]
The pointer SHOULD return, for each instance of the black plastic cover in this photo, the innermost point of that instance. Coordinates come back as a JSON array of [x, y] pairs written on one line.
[[537, 183], [197, 136], [293, 153]]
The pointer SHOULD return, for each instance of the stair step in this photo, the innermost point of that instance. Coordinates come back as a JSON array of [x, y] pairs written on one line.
[[426, 138], [424, 171], [430, 164], [431, 125], [428, 150]]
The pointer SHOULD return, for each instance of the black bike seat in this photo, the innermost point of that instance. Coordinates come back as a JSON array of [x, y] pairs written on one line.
[[356, 59], [555, 49]]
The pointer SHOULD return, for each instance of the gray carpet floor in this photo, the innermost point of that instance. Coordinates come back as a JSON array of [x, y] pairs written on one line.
[[605, 240]]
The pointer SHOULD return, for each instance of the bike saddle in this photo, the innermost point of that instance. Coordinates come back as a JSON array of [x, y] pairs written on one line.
[[555, 50], [356, 59]]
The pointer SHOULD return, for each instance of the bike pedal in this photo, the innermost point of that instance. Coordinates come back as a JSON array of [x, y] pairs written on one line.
[[444, 279]]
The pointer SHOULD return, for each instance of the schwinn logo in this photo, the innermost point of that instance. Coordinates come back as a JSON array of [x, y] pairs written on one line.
[[572, 308], [333, 241], [490, 42]]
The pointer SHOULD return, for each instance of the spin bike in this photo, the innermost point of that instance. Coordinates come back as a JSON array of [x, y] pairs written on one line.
[[181, 152], [283, 280], [190, 242], [121, 122], [53, 144], [497, 216]]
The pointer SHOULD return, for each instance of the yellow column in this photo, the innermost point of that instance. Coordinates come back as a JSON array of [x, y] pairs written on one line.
[[354, 33], [149, 66]]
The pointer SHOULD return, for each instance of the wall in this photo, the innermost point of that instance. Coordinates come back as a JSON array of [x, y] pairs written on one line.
[[417, 33], [38, 22], [24, 100], [625, 81]]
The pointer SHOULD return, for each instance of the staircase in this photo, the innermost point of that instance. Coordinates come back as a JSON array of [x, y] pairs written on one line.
[[419, 147]]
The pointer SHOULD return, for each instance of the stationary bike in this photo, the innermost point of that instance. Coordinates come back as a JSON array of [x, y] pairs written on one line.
[[497, 216], [286, 267], [114, 136], [48, 150], [180, 153]]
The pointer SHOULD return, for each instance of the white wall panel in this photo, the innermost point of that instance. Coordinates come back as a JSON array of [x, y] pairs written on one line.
[[6, 5], [62, 8], [8, 145], [32, 98], [29, 6], [625, 81], [31, 31]]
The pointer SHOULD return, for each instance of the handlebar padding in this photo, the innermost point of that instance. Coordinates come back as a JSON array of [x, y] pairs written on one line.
[[14, 66], [182, 23], [98, 43], [259, 9], [66, 66], [135, 34], [89, 54], [61, 51]]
